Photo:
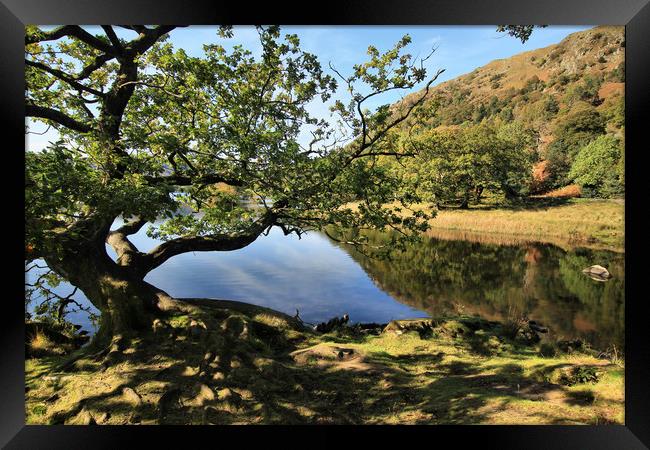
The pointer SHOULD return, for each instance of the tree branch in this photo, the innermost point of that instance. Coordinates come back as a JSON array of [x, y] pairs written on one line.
[[90, 68], [216, 242], [148, 37], [132, 227], [364, 145], [53, 35], [182, 180], [74, 31], [113, 38], [64, 77], [56, 116]]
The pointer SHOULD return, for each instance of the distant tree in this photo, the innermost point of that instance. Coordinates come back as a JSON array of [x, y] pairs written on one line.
[[586, 91], [550, 105], [506, 114], [571, 134], [460, 164], [618, 74], [595, 168]]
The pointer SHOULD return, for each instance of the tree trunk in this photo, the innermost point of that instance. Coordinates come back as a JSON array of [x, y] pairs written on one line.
[[126, 302], [117, 288], [478, 192], [464, 203]]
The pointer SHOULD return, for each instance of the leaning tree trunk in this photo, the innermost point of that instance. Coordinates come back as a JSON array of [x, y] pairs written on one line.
[[117, 288], [126, 302]]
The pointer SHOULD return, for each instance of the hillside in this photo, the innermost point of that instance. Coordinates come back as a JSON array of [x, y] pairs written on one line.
[[571, 92]]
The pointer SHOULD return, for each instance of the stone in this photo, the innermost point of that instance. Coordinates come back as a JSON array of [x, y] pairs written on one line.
[[598, 273], [402, 326], [132, 397], [84, 418]]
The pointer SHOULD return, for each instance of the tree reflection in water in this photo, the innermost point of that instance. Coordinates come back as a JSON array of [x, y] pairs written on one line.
[[541, 281]]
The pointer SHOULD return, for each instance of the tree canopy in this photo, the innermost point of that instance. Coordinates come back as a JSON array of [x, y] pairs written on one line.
[[152, 134], [598, 168], [459, 163]]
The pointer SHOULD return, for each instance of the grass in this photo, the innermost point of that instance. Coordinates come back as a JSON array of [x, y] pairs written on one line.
[[42, 345], [253, 366], [568, 223]]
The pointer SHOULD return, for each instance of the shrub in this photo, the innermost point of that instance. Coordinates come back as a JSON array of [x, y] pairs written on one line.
[[579, 375], [592, 168], [618, 75], [547, 350]]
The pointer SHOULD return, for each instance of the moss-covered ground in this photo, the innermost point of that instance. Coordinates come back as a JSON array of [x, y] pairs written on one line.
[[233, 363]]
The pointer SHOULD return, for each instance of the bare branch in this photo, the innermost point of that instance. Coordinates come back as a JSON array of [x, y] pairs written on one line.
[[113, 38], [132, 227]]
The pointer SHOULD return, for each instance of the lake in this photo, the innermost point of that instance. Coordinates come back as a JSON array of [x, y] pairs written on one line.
[[323, 279]]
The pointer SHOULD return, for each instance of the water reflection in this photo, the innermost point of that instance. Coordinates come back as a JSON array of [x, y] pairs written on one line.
[[435, 277], [541, 281]]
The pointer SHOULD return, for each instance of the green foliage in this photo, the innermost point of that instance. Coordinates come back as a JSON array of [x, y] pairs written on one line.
[[531, 85], [459, 164], [227, 116], [551, 106], [62, 187], [586, 90], [572, 133], [594, 167], [580, 375], [618, 74], [521, 32]]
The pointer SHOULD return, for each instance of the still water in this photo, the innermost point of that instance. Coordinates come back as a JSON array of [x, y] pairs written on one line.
[[322, 279]]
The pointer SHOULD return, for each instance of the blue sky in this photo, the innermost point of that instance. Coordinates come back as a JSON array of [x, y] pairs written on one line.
[[460, 49]]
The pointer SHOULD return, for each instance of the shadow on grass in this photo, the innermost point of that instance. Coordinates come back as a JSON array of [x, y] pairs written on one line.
[[523, 204], [221, 379]]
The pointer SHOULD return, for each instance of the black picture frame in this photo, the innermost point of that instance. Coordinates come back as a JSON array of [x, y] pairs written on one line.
[[634, 14]]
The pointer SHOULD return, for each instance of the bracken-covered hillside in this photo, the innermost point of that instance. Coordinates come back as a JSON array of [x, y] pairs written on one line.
[[575, 86]]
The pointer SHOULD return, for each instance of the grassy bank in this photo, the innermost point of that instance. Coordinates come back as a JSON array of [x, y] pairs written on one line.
[[597, 224], [231, 363]]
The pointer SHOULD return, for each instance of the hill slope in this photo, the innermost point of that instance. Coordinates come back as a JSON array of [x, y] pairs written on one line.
[[551, 90]]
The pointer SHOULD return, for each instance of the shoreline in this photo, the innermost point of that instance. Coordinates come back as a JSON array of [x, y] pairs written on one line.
[[236, 363], [504, 238], [596, 224]]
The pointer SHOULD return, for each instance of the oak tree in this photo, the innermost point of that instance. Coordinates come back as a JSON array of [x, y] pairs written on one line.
[[151, 134]]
